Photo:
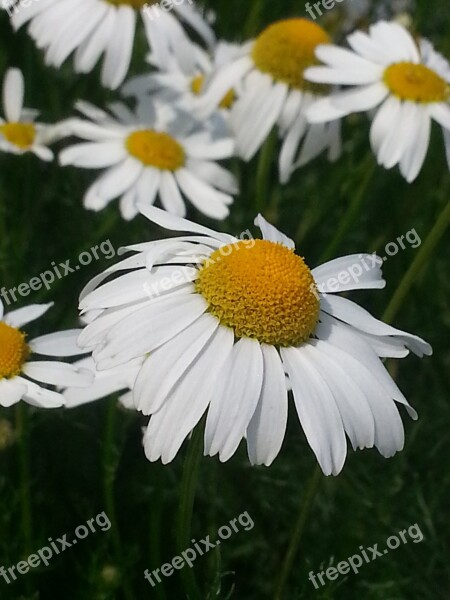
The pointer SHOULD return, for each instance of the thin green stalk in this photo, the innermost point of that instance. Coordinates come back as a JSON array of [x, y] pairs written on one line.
[[24, 473], [263, 172], [186, 506], [352, 213], [418, 264], [305, 507], [109, 476]]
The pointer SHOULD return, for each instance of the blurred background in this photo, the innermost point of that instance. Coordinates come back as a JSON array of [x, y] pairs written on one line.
[[60, 468]]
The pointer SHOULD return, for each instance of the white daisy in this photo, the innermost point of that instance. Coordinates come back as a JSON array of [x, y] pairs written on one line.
[[185, 83], [92, 28], [105, 383], [18, 373], [146, 157], [270, 71], [410, 84], [18, 131], [220, 321]]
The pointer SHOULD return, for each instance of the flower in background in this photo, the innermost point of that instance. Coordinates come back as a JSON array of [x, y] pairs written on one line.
[[386, 68], [92, 28], [18, 373], [181, 83], [219, 321], [273, 92], [148, 154], [19, 133]]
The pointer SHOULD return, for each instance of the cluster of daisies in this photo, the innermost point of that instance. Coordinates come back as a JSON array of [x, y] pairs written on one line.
[[206, 323]]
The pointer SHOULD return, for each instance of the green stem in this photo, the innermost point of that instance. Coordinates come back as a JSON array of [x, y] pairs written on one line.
[[305, 508], [25, 481], [419, 263], [263, 172], [351, 214], [109, 476], [186, 506]]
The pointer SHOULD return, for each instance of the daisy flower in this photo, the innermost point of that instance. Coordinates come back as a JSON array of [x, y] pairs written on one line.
[[410, 84], [18, 131], [220, 321], [147, 156], [274, 92], [92, 28], [185, 83], [18, 373]]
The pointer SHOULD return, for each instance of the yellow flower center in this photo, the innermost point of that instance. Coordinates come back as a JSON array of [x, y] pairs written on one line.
[[13, 351], [417, 83], [197, 85], [285, 49], [136, 4], [156, 149], [21, 135], [261, 290]]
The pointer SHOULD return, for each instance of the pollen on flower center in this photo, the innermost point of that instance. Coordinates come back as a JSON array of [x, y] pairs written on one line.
[[13, 351], [21, 135], [286, 48], [261, 290], [156, 149], [410, 81], [197, 85]]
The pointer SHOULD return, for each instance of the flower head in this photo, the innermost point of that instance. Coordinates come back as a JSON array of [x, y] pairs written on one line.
[[18, 373], [226, 325], [19, 133], [147, 155], [409, 82], [273, 92]]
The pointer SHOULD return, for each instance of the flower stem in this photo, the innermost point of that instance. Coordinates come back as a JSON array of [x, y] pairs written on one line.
[[420, 261], [352, 212], [186, 506], [305, 508], [24, 471], [109, 475], [263, 172]]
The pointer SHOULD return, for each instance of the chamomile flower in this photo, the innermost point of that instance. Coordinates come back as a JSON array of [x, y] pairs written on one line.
[[92, 28], [274, 92], [220, 321], [148, 156], [185, 83], [410, 84], [19, 133], [19, 374]]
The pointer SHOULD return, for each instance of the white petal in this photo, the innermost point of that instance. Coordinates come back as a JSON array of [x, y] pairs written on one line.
[[317, 411], [22, 316], [267, 427], [13, 91], [352, 272], [272, 234], [11, 391], [235, 400], [62, 343]]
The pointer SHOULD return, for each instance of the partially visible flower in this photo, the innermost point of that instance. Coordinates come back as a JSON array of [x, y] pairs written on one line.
[[18, 373], [183, 83], [92, 28], [273, 92], [387, 69], [218, 323], [148, 156], [19, 133]]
